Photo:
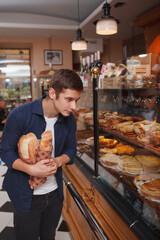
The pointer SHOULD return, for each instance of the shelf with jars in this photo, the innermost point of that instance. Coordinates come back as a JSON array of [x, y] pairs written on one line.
[[118, 136]]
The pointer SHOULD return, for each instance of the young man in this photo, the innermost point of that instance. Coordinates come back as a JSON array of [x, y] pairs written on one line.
[[37, 211]]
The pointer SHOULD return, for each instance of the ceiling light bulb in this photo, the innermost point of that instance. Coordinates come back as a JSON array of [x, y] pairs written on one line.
[[106, 26], [79, 45]]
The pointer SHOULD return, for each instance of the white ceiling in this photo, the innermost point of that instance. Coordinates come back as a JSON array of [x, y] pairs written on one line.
[[58, 19]]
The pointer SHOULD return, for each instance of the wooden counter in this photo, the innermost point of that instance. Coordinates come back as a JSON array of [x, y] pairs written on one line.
[[109, 221]]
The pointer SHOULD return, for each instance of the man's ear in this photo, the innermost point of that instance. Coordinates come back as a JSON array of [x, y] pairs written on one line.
[[52, 93]]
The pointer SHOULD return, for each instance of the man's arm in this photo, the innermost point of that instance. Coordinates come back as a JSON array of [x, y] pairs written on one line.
[[61, 160], [70, 147], [42, 168]]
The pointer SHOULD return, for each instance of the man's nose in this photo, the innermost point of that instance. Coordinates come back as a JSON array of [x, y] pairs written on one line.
[[74, 105]]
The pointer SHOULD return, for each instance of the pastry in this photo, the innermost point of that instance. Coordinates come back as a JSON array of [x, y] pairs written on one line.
[[150, 163], [112, 121], [121, 125], [126, 129], [151, 189], [142, 129], [130, 165], [107, 142], [127, 118], [90, 140], [102, 121], [145, 177], [155, 138], [110, 159], [108, 150], [125, 150], [144, 139]]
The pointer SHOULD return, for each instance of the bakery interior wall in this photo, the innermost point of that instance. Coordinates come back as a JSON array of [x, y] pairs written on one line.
[[37, 47], [112, 49]]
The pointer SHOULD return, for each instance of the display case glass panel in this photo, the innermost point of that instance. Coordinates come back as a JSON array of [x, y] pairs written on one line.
[[129, 134]]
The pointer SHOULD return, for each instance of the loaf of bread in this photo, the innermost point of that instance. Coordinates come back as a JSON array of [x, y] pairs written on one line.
[[27, 147], [32, 150], [46, 141]]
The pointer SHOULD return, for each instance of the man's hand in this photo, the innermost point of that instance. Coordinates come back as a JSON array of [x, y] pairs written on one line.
[[43, 168]]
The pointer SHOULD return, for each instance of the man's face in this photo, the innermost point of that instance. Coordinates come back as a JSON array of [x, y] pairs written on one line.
[[66, 101]]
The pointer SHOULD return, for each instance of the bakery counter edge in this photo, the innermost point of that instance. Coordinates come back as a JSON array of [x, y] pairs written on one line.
[[116, 217]]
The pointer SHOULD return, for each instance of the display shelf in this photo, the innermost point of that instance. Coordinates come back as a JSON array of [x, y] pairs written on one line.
[[119, 204], [132, 140], [138, 104]]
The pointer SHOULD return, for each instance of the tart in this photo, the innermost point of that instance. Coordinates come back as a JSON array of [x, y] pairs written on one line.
[[145, 177], [110, 159], [149, 163], [151, 189], [129, 164]]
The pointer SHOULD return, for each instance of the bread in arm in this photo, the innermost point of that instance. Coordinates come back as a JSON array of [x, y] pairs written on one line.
[[27, 147], [32, 150]]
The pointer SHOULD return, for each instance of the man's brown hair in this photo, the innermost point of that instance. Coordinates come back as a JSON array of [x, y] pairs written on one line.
[[64, 79]]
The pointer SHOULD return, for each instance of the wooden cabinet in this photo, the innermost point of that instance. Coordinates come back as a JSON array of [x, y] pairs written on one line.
[[107, 218]]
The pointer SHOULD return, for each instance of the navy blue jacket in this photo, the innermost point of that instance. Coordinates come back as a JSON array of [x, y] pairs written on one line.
[[22, 120]]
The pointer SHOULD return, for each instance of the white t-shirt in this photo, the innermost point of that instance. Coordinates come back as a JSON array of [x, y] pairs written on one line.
[[51, 183]]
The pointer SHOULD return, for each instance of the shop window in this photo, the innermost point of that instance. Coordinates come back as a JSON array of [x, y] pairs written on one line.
[[15, 77]]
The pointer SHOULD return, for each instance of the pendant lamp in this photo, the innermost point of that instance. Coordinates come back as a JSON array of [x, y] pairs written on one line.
[[106, 25], [79, 43]]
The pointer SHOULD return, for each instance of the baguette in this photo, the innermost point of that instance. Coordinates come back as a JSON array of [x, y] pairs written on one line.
[[46, 141], [27, 147], [32, 150]]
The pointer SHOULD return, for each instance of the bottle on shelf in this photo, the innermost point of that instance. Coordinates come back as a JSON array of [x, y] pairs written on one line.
[[98, 63], [84, 65], [88, 62], [81, 64], [92, 62], [95, 59]]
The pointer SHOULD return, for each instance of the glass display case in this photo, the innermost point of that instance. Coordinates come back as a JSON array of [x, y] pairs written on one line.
[[118, 135]]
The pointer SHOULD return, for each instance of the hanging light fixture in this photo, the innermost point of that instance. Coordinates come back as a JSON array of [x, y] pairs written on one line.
[[106, 25], [79, 43]]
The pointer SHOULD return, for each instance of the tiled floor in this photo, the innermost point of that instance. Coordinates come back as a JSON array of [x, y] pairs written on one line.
[[6, 215]]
